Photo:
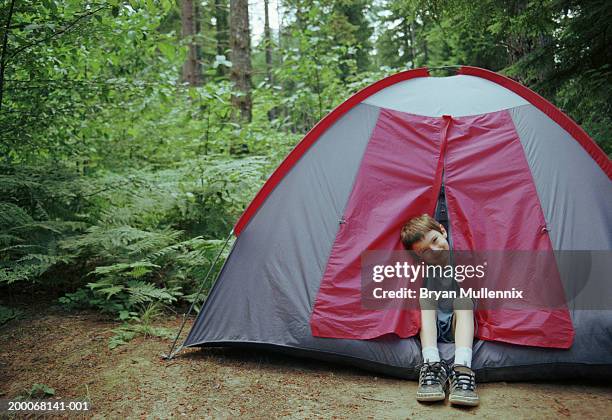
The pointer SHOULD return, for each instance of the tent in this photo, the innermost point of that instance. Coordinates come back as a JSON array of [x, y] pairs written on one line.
[[518, 174]]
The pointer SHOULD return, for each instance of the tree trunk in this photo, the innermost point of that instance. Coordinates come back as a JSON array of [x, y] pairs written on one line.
[[240, 43], [299, 121], [190, 25], [221, 32], [4, 46], [299, 14], [518, 44], [268, 41], [412, 44], [283, 112], [268, 47], [407, 48], [280, 30]]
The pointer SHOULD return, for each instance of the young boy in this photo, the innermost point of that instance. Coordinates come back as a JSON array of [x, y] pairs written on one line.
[[444, 321]]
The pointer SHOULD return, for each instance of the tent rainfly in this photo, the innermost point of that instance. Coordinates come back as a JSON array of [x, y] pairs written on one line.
[[518, 174]]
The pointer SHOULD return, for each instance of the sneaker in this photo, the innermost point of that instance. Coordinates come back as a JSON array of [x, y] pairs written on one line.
[[463, 386], [432, 381]]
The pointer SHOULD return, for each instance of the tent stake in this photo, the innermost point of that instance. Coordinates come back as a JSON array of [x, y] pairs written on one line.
[[172, 352]]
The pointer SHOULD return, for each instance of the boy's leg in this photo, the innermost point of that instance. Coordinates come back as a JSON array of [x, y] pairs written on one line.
[[462, 377], [463, 331], [434, 372], [429, 331]]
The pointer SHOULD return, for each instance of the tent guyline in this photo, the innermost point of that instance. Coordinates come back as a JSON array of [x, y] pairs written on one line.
[[172, 352]]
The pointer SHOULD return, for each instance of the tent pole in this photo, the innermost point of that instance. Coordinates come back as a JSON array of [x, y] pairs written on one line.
[[173, 352]]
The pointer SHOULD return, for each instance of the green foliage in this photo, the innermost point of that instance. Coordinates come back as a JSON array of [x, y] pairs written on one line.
[[559, 48], [122, 336], [37, 206], [155, 243], [136, 238], [128, 332], [69, 61], [322, 48], [6, 314], [119, 182], [40, 391], [141, 325], [136, 265]]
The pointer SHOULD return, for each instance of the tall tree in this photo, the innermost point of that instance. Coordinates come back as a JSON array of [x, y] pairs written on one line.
[[268, 49], [3, 55], [190, 29], [268, 41], [352, 29], [221, 32], [240, 43], [403, 28]]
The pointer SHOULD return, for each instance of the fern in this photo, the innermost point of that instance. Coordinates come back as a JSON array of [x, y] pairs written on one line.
[[122, 336], [141, 323], [13, 216], [136, 269], [131, 239], [106, 288], [29, 267], [119, 242], [141, 292], [155, 241], [128, 332], [9, 184], [28, 233], [7, 239], [23, 248], [59, 227]]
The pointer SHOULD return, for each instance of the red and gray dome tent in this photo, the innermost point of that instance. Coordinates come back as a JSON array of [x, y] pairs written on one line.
[[518, 175]]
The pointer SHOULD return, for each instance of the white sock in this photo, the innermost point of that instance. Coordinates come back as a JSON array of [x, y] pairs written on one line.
[[463, 356], [431, 354]]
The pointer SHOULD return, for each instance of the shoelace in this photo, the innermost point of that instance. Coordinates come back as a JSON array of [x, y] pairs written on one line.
[[430, 373], [463, 380]]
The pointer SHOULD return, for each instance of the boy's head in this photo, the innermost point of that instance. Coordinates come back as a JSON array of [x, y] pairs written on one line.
[[425, 236]]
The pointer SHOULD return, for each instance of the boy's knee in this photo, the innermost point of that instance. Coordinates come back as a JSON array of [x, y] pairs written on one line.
[[463, 304], [428, 304]]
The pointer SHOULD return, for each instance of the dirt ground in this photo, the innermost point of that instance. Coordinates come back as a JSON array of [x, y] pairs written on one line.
[[69, 352]]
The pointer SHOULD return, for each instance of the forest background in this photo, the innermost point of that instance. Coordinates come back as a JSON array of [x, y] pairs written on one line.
[[134, 133]]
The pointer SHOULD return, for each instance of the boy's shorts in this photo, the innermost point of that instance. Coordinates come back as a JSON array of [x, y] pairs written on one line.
[[445, 309], [445, 323]]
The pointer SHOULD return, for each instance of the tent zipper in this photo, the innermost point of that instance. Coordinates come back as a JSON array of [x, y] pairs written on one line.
[[441, 174], [441, 160]]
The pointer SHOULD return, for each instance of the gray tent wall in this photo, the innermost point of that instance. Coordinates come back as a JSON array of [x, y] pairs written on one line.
[[265, 292]]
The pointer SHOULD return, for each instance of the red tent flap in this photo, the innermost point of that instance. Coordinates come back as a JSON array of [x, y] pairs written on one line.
[[492, 203], [395, 180]]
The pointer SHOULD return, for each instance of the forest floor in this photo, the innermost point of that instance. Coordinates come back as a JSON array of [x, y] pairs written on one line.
[[69, 352]]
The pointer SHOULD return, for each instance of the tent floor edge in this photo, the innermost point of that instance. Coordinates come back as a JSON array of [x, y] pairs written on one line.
[[553, 371]]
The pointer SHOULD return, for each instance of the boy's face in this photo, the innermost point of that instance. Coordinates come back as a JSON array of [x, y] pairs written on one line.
[[433, 248]]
